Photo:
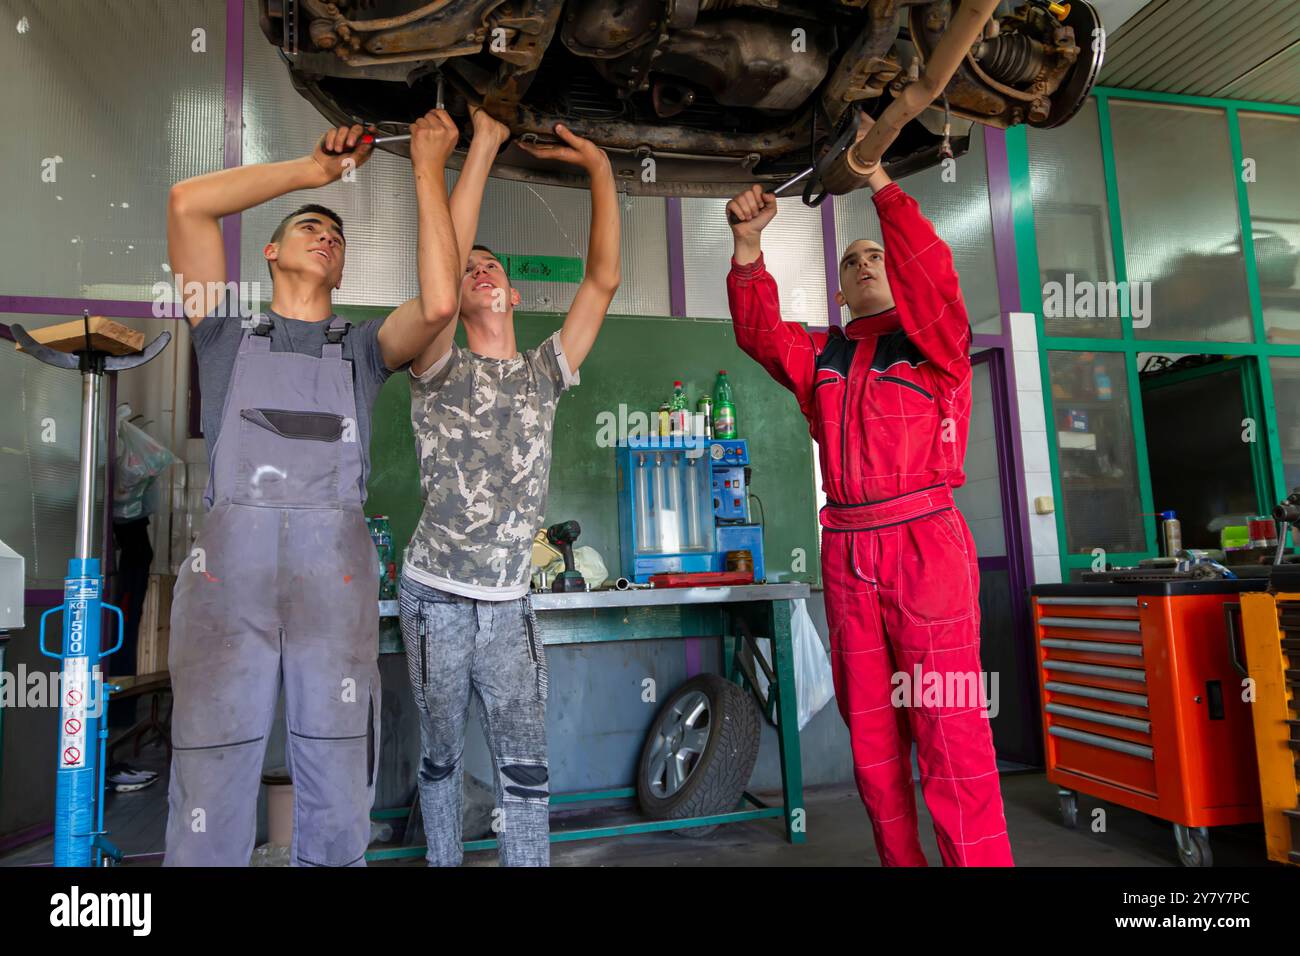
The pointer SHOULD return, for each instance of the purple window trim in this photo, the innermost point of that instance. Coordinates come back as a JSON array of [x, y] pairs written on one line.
[[233, 145], [995, 562], [72, 308], [42, 597], [1004, 245], [232, 155], [676, 257]]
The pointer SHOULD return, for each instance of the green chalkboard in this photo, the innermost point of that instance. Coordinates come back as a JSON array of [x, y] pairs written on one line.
[[634, 362]]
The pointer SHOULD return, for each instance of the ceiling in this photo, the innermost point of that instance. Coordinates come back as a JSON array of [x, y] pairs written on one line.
[[1243, 49]]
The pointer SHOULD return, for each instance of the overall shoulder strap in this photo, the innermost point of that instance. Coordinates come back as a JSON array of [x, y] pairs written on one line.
[[338, 328], [257, 337]]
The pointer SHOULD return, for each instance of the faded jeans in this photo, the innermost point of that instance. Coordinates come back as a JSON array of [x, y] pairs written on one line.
[[457, 646]]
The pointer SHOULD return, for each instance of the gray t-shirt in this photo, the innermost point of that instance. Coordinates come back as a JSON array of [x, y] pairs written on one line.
[[483, 437], [216, 342]]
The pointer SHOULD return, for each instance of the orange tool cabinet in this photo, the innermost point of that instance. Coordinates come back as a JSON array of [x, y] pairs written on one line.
[[1271, 635], [1142, 706]]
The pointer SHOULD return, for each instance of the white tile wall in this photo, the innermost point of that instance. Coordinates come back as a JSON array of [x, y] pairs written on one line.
[[1033, 442]]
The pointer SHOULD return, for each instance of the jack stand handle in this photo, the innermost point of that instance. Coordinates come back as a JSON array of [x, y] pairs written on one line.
[[45, 650], [121, 629]]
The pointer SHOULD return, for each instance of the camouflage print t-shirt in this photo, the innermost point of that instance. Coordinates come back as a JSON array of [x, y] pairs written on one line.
[[483, 436]]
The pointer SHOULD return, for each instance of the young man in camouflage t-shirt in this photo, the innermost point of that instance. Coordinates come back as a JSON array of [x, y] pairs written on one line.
[[483, 417]]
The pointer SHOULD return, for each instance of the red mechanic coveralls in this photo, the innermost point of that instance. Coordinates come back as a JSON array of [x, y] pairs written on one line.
[[888, 401]]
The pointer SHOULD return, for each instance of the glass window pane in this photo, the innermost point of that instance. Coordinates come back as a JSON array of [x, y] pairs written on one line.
[[113, 102], [40, 455], [1272, 142], [792, 250], [1093, 431], [1286, 392], [980, 499], [1181, 230], [960, 213], [1071, 217]]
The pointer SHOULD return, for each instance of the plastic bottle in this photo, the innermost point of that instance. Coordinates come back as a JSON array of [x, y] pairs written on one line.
[[1101, 380], [704, 411], [677, 410], [724, 408]]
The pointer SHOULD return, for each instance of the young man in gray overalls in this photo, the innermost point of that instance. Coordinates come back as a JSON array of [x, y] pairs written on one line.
[[280, 589], [483, 420]]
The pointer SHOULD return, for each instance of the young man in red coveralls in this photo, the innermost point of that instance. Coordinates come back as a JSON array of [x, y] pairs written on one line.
[[888, 398]]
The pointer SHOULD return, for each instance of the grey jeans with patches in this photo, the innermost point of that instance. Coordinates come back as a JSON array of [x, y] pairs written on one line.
[[455, 647]]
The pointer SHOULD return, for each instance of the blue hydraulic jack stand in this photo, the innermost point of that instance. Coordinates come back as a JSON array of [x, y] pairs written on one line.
[[79, 836]]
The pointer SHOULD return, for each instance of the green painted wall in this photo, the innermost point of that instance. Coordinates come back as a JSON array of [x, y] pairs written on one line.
[[634, 362]]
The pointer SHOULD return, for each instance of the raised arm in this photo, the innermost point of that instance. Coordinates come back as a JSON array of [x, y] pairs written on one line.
[[195, 207], [785, 349], [467, 197], [604, 269], [923, 280], [466, 200], [408, 330]]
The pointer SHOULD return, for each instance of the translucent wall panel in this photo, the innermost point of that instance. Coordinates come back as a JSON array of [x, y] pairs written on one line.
[[980, 499], [792, 249], [1093, 431], [960, 213], [116, 104], [40, 452], [1272, 143], [1286, 394], [1071, 222], [1181, 229], [526, 219], [379, 214]]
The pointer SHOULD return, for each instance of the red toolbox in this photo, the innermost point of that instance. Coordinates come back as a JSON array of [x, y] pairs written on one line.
[[1142, 706]]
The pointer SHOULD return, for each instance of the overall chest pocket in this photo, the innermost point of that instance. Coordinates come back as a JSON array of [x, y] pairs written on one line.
[[289, 457], [914, 387], [899, 398]]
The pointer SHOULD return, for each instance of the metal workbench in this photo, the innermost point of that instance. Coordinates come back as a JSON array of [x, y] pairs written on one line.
[[732, 615]]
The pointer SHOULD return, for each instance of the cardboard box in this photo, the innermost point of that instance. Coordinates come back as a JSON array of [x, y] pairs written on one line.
[[155, 625]]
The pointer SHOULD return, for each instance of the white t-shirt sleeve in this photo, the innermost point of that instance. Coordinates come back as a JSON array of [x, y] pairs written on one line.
[[436, 374], [550, 355]]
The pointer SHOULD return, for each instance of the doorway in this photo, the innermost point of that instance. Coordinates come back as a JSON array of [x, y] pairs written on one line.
[[1205, 442], [990, 501]]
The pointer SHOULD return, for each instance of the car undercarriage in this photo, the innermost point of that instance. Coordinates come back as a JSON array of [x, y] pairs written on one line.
[[688, 97]]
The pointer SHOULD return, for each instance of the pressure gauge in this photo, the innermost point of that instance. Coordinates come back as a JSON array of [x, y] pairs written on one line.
[[716, 452]]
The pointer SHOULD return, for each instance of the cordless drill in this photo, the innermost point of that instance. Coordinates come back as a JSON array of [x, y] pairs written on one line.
[[562, 536]]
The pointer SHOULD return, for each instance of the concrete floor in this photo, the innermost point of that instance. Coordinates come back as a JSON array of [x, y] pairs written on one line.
[[838, 834]]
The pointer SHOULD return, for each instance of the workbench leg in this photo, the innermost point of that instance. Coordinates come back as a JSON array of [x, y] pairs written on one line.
[[787, 728], [729, 669]]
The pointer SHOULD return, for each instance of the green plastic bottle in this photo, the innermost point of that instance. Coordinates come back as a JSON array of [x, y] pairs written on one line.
[[677, 410], [724, 408]]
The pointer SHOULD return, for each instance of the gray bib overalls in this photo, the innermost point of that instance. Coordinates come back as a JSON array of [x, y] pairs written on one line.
[[279, 592]]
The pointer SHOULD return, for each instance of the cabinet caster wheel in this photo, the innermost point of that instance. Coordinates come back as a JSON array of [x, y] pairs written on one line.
[[1069, 809], [1193, 845]]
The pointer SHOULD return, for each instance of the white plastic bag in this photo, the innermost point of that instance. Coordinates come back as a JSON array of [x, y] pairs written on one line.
[[814, 685], [140, 459]]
